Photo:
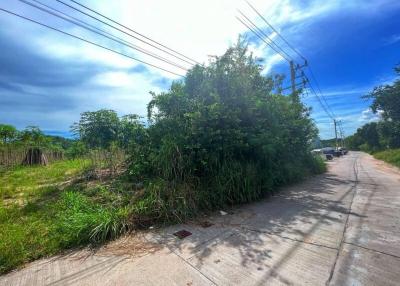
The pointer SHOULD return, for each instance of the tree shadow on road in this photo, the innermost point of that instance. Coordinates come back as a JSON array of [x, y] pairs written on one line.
[[312, 212]]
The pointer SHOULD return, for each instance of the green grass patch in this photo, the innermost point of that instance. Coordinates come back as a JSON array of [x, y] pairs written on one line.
[[41, 215], [24, 181], [391, 156]]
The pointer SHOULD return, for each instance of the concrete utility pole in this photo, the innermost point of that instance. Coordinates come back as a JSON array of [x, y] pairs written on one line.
[[293, 78], [343, 138], [336, 143]]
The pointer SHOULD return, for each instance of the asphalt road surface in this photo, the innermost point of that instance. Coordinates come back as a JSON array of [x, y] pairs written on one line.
[[339, 228]]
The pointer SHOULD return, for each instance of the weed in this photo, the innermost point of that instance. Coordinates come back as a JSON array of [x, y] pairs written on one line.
[[41, 215], [391, 156]]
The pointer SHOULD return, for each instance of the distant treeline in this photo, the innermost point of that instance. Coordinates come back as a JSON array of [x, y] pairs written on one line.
[[31, 136], [331, 142], [14, 144], [384, 134]]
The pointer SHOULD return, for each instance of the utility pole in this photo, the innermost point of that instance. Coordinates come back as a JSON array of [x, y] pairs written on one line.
[[293, 78], [336, 143], [342, 136]]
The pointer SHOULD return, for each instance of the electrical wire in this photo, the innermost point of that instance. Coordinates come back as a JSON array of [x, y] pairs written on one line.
[[164, 49], [87, 41], [273, 29], [327, 108], [319, 99], [265, 35], [100, 32], [319, 89], [261, 38]]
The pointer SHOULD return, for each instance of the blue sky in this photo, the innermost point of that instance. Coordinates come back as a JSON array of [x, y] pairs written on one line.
[[48, 79]]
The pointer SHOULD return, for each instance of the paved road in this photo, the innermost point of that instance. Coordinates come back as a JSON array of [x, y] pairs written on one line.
[[340, 228]]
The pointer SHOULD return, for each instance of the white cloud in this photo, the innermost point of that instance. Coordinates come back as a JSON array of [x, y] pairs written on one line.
[[392, 40], [115, 79], [369, 116], [349, 91], [196, 28]]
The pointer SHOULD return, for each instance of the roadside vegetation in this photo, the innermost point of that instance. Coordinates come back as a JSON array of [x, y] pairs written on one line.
[[45, 209], [220, 137], [382, 138], [391, 156]]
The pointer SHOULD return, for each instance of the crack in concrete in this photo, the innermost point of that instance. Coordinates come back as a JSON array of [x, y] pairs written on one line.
[[355, 170], [289, 238], [373, 250], [194, 268]]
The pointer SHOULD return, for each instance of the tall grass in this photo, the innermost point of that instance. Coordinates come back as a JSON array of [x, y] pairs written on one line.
[[391, 156], [42, 213], [234, 183]]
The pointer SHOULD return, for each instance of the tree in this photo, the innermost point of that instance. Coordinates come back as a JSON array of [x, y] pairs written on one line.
[[76, 149], [97, 129], [32, 135], [223, 132], [367, 138], [132, 131], [370, 135], [7, 133], [386, 101]]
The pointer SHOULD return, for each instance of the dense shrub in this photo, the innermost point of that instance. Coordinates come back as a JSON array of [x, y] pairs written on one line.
[[218, 138]]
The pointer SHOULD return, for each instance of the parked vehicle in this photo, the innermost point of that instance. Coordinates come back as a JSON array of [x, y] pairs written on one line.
[[343, 150], [316, 152], [332, 151], [328, 150], [337, 153], [329, 157], [323, 153]]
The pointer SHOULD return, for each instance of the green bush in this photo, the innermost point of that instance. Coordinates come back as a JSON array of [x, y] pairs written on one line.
[[76, 150], [220, 137]]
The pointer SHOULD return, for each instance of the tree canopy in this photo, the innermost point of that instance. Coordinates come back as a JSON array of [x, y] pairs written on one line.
[[7, 133], [221, 136], [386, 99], [97, 129], [386, 132]]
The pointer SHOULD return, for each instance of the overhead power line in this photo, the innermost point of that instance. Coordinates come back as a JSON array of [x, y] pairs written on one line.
[[287, 57], [152, 42], [319, 89], [276, 31], [100, 32], [261, 38], [327, 109], [86, 41], [319, 99]]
